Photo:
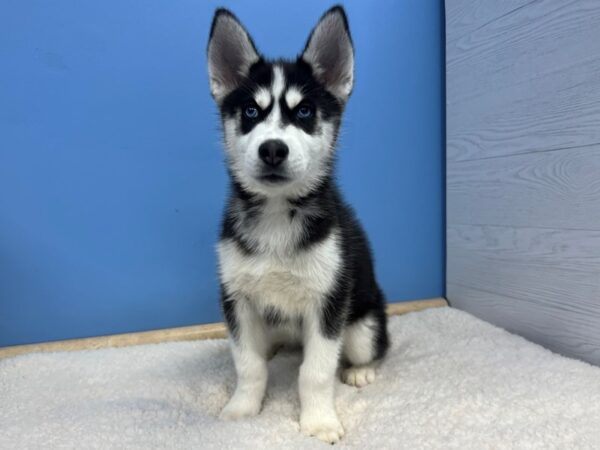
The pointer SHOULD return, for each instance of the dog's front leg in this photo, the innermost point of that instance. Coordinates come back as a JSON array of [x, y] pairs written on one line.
[[318, 416], [249, 349]]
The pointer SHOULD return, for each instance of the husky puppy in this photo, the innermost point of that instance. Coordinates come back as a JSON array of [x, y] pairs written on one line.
[[294, 263]]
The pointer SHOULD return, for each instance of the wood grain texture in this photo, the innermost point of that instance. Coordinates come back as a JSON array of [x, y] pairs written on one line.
[[555, 189], [206, 331], [532, 320], [513, 89], [394, 309], [556, 268], [572, 250], [522, 39], [523, 168], [191, 333], [467, 16]]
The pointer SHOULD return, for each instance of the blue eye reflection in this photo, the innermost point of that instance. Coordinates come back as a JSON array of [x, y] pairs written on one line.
[[251, 112], [304, 112]]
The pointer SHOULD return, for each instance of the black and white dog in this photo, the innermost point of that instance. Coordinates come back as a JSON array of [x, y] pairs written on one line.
[[294, 262]]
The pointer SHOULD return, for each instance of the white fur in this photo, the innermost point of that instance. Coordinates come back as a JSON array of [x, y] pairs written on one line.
[[262, 97], [316, 383], [273, 231], [359, 376], [358, 341], [293, 97], [292, 283], [358, 349], [250, 358], [306, 162], [278, 82]]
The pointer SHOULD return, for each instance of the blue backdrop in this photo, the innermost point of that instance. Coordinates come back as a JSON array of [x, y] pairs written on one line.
[[111, 173]]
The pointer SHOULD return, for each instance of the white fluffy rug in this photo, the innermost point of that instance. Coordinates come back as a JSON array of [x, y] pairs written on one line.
[[451, 381]]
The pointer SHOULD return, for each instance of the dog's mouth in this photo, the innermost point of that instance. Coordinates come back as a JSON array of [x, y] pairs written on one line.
[[273, 178]]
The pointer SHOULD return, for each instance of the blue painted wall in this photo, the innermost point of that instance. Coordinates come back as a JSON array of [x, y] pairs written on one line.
[[111, 173]]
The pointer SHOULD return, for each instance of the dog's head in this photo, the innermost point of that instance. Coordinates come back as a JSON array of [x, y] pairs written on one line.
[[280, 118]]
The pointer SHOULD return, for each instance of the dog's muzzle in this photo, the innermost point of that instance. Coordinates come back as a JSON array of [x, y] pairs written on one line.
[[273, 153]]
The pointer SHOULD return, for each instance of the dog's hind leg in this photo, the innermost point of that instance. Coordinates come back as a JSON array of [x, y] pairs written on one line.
[[365, 343]]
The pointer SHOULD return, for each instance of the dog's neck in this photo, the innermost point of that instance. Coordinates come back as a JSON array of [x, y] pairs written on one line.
[[279, 223], [310, 202]]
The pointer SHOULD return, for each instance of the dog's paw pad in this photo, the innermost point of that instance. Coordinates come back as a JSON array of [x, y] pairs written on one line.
[[328, 430], [358, 376]]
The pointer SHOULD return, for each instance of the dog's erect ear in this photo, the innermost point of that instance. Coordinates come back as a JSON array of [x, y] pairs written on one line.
[[231, 52], [329, 51]]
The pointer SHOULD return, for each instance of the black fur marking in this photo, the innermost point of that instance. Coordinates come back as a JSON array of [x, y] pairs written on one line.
[[228, 232], [250, 199], [319, 223], [273, 317], [247, 124], [382, 340], [251, 208], [300, 75], [321, 191], [356, 279], [228, 308], [260, 75], [316, 229], [334, 311], [356, 294], [309, 125]]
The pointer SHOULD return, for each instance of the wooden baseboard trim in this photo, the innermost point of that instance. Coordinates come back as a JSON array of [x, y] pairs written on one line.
[[191, 333], [394, 309]]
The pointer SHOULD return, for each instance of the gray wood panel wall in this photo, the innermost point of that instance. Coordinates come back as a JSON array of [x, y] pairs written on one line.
[[523, 168]]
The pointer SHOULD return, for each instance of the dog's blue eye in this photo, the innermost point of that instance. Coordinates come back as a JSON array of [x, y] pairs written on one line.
[[251, 112], [304, 112]]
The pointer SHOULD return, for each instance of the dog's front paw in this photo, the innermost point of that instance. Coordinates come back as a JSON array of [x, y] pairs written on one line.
[[324, 427], [239, 407]]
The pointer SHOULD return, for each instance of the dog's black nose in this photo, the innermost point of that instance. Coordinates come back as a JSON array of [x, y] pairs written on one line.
[[273, 152]]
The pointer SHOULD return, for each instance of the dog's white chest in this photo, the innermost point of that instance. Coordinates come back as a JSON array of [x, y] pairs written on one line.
[[288, 282]]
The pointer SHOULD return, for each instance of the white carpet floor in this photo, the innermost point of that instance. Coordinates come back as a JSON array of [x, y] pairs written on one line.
[[450, 382]]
